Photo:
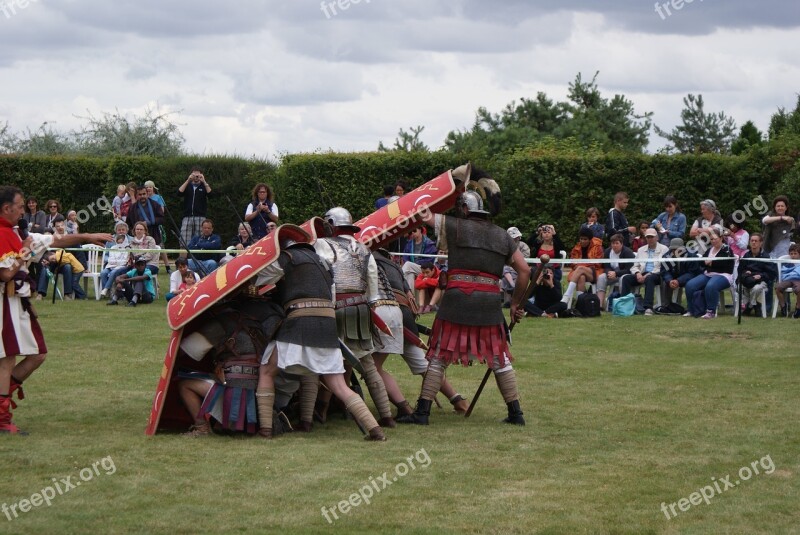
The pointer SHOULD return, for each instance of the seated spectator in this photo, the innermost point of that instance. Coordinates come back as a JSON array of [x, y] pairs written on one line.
[[790, 278], [427, 286], [271, 226], [755, 277], [189, 280], [736, 238], [546, 241], [69, 268], [592, 218], [240, 242], [702, 292], [646, 271], [588, 247], [261, 210], [671, 223], [143, 242], [136, 285], [546, 298], [53, 212], [117, 264], [614, 270], [205, 263], [72, 227], [640, 241], [676, 274], [418, 244], [176, 277], [702, 227]]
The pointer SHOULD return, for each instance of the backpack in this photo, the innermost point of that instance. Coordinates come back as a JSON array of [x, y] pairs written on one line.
[[588, 305], [638, 304], [671, 309], [624, 306]]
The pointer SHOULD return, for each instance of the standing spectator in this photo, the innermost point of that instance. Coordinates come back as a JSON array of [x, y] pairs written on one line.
[[37, 219], [616, 222], [614, 270], [676, 274], [153, 195], [702, 292], [388, 191], [790, 278], [195, 192], [148, 212], [702, 227], [588, 247], [130, 198], [53, 211], [144, 242], [778, 228], [418, 244], [546, 241], [646, 271], [116, 204], [261, 211], [400, 188], [72, 222], [756, 277], [205, 263], [671, 223], [176, 277], [592, 218], [509, 279]]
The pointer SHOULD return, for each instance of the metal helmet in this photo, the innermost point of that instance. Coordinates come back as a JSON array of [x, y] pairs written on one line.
[[340, 218], [473, 201]]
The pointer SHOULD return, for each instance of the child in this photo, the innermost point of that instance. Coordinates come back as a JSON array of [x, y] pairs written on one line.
[[616, 222], [70, 269], [136, 285], [72, 222], [790, 278], [592, 217], [427, 283], [116, 204], [188, 281], [640, 240], [736, 237]]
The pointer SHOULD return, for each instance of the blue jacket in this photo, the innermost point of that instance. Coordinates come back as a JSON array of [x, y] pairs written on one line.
[[676, 228], [211, 243], [428, 247], [790, 272]]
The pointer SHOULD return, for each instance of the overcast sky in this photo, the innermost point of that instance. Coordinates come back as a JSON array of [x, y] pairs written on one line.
[[268, 77]]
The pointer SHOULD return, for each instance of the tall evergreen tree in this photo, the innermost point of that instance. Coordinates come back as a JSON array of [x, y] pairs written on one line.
[[700, 132]]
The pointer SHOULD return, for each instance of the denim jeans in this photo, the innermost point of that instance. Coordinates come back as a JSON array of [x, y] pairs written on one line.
[[709, 287]]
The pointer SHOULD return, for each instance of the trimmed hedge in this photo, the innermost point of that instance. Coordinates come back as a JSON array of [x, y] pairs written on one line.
[[539, 185]]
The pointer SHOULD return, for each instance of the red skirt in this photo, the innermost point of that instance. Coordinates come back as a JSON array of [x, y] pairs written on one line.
[[456, 343]]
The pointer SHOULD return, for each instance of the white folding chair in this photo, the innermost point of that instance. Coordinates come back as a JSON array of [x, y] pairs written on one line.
[[94, 266], [786, 292]]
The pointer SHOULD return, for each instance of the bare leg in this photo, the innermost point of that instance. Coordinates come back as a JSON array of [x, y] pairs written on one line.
[[192, 392], [27, 366]]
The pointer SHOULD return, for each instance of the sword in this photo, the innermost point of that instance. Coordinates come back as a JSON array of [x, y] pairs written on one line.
[[350, 358], [424, 330], [409, 335], [379, 323]]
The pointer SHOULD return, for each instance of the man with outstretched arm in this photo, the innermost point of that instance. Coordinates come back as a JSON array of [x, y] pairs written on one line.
[[21, 333]]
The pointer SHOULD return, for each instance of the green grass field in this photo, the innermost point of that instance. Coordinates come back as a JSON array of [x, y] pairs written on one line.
[[623, 414]]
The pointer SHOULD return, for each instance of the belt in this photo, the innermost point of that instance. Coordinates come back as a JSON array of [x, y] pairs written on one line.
[[241, 370], [297, 304], [381, 302], [351, 301], [472, 278], [318, 312]]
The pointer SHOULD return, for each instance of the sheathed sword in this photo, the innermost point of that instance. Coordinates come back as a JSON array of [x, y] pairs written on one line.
[[350, 357]]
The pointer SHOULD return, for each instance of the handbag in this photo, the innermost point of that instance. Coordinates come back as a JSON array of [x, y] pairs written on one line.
[[624, 306]]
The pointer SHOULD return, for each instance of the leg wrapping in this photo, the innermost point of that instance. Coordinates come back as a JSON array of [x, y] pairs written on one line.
[[377, 390], [265, 400], [507, 383], [356, 406], [309, 385]]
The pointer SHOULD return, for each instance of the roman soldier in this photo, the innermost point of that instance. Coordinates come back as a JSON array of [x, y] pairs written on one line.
[[355, 275], [469, 324], [411, 347], [307, 342], [21, 333]]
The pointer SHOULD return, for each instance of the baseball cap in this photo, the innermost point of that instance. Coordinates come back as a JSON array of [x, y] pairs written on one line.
[[514, 232], [675, 243], [651, 232]]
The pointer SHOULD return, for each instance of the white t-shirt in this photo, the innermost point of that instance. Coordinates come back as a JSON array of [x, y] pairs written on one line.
[[249, 210]]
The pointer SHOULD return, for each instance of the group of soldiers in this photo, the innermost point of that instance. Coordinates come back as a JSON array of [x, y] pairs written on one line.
[[334, 298]]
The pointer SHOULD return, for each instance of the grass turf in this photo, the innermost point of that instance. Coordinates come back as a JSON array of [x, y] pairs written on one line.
[[623, 414]]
